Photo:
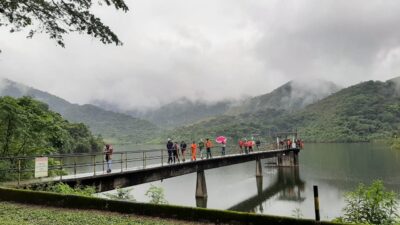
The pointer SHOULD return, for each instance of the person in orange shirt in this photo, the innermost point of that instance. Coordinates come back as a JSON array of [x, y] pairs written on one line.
[[241, 146], [193, 147], [250, 145], [208, 148]]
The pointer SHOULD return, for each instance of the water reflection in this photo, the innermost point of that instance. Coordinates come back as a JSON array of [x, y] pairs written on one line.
[[288, 186]]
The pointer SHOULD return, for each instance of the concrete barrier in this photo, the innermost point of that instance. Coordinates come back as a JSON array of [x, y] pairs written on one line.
[[164, 211]]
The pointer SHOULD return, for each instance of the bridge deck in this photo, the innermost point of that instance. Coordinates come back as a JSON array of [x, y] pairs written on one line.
[[139, 174]]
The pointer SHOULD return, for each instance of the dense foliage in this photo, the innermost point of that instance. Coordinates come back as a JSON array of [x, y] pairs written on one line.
[[57, 18], [66, 189], [363, 112], [370, 205], [28, 127]]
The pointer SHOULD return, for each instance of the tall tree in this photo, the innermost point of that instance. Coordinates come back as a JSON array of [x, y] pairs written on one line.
[[58, 17]]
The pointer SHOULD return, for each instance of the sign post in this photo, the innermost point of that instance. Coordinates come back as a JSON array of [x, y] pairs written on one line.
[[41, 167]]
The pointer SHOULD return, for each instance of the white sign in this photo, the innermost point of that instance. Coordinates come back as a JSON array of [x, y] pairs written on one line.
[[41, 167]]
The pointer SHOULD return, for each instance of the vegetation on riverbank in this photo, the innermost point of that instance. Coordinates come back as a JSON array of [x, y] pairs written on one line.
[[21, 214], [28, 127], [371, 205]]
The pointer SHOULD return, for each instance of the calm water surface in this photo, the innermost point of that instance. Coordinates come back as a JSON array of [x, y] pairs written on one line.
[[335, 168]]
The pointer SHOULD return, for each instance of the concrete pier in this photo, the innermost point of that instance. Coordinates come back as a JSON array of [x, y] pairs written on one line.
[[201, 187], [258, 168]]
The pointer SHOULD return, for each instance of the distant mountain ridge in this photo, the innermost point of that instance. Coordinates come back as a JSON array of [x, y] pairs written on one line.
[[182, 112], [291, 96], [363, 112], [111, 125]]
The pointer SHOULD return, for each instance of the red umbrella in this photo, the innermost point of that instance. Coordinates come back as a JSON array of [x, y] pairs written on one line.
[[220, 139]]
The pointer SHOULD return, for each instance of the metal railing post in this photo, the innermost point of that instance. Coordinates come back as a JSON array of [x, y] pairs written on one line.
[[126, 161], [121, 160], [75, 166], [19, 171], [102, 157], [162, 157], [143, 160], [94, 165], [61, 168]]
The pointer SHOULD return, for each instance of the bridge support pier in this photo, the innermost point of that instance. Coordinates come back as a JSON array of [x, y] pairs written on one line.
[[201, 187], [258, 168], [290, 159]]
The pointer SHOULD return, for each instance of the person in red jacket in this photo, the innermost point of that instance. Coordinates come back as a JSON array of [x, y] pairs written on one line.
[[250, 145], [241, 146]]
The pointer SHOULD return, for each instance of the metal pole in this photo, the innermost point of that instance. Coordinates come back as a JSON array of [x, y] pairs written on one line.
[[126, 160], [162, 157], [145, 156], [316, 203], [19, 171], [75, 166], [94, 165], [143, 160], [61, 168], [102, 156], [121, 160]]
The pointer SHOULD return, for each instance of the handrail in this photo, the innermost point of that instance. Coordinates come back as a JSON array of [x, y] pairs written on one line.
[[82, 163]]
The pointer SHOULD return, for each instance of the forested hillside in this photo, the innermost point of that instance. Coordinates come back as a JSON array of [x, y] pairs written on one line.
[[361, 112], [28, 127], [113, 126]]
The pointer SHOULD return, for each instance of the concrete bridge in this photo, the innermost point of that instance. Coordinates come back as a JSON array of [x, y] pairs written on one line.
[[148, 173]]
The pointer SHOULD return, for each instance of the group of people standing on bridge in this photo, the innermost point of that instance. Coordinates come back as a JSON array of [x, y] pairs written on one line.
[[248, 145], [177, 151], [288, 143]]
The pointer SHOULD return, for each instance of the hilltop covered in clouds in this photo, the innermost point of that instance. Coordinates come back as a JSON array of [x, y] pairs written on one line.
[[114, 127]]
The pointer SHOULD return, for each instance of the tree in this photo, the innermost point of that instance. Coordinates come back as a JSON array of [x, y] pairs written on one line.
[[370, 205], [58, 17]]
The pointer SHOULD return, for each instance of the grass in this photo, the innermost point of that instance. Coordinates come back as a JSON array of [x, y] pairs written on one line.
[[21, 214]]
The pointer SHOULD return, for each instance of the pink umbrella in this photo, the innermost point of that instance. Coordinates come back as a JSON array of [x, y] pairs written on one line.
[[220, 139]]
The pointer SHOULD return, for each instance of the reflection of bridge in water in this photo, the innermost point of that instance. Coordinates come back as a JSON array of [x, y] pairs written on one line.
[[288, 185]]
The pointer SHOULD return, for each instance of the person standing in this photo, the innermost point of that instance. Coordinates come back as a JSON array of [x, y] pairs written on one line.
[[245, 145], [183, 150], [201, 147], [208, 148], [223, 146], [250, 145], [241, 146], [170, 147], [175, 152], [108, 151], [258, 143], [194, 148]]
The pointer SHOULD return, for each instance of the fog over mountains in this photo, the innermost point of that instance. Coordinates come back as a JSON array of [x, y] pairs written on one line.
[[291, 96], [113, 126]]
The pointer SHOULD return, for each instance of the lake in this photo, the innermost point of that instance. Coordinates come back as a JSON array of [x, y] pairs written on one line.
[[287, 191]]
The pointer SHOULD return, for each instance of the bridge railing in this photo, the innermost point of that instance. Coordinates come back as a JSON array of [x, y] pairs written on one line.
[[63, 166]]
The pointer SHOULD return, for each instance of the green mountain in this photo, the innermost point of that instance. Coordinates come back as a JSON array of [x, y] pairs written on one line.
[[362, 112], [115, 127]]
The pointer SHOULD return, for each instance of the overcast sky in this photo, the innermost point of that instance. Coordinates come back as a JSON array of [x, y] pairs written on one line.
[[211, 50]]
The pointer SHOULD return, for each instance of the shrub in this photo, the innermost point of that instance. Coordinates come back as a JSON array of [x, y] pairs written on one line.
[[370, 205]]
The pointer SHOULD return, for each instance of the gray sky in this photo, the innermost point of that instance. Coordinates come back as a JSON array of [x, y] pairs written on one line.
[[211, 50]]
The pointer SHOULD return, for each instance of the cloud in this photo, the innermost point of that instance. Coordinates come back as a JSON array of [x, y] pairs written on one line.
[[211, 50]]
